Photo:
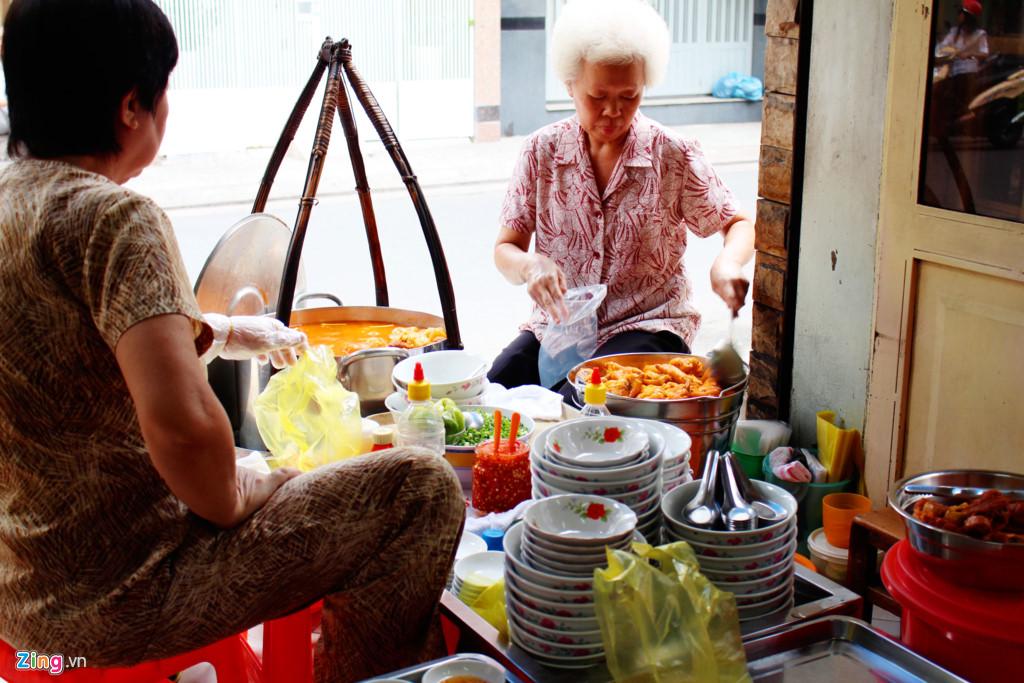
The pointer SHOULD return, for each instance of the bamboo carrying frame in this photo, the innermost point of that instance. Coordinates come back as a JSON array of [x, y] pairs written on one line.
[[336, 59]]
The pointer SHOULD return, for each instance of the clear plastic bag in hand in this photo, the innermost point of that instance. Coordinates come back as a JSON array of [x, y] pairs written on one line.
[[574, 340]]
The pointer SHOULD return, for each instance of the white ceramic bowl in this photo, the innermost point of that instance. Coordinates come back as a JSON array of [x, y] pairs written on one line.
[[571, 556], [583, 568], [631, 500], [548, 648], [469, 543], [726, 577], [480, 569], [549, 620], [597, 442], [777, 579], [555, 661], [673, 503], [757, 609], [740, 552], [547, 544], [452, 374], [645, 465], [677, 442], [769, 619], [762, 596], [756, 562], [489, 672], [577, 519], [560, 609], [595, 488], [538, 591], [514, 558], [588, 638]]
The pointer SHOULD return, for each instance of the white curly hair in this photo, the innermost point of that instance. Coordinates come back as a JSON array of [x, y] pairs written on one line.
[[609, 32]]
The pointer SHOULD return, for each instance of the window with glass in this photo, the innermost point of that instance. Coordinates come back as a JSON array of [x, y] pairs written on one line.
[[972, 156]]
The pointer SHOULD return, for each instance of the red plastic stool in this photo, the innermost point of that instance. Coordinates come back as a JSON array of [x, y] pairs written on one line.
[[287, 658]]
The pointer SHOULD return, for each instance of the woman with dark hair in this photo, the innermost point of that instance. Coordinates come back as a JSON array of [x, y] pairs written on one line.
[[126, 531]]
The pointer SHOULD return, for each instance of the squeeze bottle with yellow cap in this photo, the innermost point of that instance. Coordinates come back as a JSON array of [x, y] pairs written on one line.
[[421, 423], [594, 396]]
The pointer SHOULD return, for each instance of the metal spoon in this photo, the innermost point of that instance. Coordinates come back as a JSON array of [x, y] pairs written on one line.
[[703, 510], [739, 515], [768, 511], [726, 365]]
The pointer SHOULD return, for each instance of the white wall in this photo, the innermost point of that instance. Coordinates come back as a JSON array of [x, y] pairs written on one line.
[[843, 168]]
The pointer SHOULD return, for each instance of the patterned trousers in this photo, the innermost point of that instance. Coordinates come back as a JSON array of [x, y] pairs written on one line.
[[374, 537]]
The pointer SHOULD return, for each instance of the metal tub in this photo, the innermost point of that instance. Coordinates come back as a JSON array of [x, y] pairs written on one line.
[[709, 420], [958, 557]]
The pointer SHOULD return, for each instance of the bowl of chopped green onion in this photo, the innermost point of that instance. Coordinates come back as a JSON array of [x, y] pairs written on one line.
[[467, 440]]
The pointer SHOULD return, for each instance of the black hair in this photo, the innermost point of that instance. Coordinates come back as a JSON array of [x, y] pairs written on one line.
[[69, 64]]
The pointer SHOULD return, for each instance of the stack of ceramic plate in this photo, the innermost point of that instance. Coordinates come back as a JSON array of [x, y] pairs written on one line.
[[757, 565], [675, 457], [549, 576], [615, 457], [476, 573]]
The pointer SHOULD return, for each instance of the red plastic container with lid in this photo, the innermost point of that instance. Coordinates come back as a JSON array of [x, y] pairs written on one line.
[[974, 633]]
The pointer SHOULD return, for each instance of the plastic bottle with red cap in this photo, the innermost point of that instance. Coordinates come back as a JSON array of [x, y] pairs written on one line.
[[595, 396], [421, 423]]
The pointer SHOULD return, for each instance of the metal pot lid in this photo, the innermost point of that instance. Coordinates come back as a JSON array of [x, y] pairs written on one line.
[[242, 275]]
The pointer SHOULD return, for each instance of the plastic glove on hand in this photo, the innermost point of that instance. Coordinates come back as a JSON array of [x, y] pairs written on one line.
[[243, 337]]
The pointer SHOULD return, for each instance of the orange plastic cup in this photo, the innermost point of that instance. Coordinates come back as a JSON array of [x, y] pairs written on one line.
[[837, 513]]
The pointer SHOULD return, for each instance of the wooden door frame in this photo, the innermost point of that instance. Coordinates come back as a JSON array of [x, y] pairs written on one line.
[[909, 234]]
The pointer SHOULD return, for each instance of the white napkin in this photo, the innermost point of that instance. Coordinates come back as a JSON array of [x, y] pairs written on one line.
[[531, 400], [496, 520], [254, 460]]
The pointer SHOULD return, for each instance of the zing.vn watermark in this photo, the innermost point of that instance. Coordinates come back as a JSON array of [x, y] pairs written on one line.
[[30, 660]]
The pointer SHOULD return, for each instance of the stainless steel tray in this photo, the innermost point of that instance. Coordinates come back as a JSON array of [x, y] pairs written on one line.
[[415, 673], [838, 648]]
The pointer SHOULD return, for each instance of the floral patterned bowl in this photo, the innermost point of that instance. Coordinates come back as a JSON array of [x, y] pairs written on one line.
[[677, 441], [754, 598], [548, 648], [549, 620], [541, 543], [597, 442], [588, 638], [558, 609], [452, 374], [758, 609], [550, 594], [779, 578], [599, 488], [740, 552], [514, 557], [646, 464], [673, 503], [558, 558], [748, 570], [581, 571], [580, 520]]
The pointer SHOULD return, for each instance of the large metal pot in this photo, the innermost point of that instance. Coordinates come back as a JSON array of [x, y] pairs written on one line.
[[709, 420], [366, 372], [958, 557]]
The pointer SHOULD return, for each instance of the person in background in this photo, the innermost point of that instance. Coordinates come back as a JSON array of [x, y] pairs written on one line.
[[610, 196], [959, 56], [127, 532]]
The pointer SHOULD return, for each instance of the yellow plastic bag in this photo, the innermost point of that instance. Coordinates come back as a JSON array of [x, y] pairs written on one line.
[[662, 621], [305, 417], [839, 450], [490, 605]]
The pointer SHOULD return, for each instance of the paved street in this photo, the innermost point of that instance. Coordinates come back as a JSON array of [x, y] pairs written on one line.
[[336, 259]]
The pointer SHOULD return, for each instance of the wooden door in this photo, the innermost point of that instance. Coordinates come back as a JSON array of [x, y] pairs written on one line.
[[947, 367]]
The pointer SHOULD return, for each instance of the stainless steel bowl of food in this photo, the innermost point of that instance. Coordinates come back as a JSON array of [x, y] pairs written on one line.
[[709, 420], [957, 555]]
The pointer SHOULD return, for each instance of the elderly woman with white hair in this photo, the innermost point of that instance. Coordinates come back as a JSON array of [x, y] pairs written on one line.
[[609, 196]]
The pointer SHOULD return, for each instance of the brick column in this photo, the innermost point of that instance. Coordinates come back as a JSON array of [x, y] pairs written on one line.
[[486, 70], [773, 207]]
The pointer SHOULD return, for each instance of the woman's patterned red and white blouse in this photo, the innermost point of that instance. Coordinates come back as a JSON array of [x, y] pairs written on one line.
[[633, 237]]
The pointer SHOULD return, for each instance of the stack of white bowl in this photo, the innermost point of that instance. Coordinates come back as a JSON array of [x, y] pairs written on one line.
[[469, 543], [615, 457], [675, 457], [756, 566], [549, 576], [476, 573], [458, 375]]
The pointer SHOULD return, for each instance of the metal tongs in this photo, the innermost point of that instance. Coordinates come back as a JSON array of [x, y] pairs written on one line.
[[725, 363]]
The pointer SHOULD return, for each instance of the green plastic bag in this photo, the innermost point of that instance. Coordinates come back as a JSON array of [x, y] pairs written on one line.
[[305, 417], [662, 621]]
